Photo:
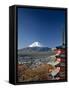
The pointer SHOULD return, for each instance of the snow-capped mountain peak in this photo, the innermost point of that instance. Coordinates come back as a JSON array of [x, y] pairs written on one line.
[[35, 44]]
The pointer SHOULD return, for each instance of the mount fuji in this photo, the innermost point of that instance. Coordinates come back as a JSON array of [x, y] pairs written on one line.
[[34, 47]]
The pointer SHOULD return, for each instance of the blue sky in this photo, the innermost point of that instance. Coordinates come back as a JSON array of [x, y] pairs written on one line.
[[42, 25]]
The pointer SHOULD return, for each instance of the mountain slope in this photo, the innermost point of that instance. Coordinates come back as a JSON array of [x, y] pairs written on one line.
[[34, 49]]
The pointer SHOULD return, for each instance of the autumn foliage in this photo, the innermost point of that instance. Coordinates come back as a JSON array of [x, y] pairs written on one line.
[[26, 73]]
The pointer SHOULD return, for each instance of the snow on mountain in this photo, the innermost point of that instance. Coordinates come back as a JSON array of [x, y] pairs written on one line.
[[35, 44]]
